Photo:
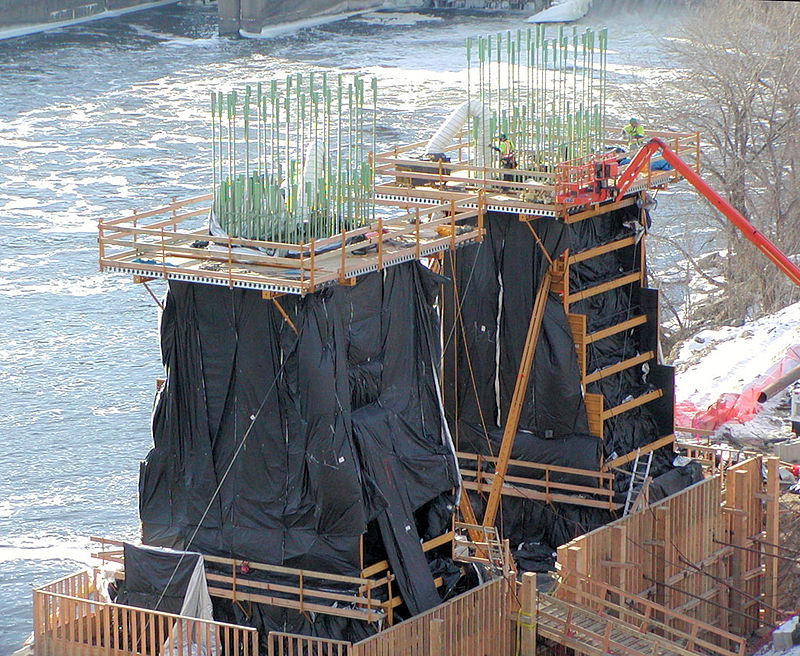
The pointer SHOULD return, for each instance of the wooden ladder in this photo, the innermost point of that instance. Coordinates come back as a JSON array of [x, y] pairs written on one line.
[[598, 619]]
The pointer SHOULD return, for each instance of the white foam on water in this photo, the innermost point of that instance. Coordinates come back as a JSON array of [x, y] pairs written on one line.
[[89, 286], [271, 31], [397, 19], [171, 39], [77, 549]]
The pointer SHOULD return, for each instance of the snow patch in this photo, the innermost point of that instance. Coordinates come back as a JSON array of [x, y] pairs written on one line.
[[726, 359], [565, 11]]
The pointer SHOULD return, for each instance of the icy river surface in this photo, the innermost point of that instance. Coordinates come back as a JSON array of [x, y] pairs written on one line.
[[99, 119]]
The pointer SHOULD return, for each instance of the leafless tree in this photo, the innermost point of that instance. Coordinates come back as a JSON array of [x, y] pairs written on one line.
[[739, 84]]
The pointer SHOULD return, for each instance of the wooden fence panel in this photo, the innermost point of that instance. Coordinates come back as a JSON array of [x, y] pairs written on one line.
[[67, 621], [290, 644], [682, 550], [476, 623]]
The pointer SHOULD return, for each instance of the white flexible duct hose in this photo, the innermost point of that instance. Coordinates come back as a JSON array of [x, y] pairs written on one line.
[[442, 139], [565, 11], [313, 171]]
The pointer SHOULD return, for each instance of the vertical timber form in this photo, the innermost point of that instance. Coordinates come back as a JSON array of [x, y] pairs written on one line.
[[650, 583]]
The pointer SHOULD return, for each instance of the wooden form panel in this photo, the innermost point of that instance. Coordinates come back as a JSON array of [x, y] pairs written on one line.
[[696, 552], [476, 622]]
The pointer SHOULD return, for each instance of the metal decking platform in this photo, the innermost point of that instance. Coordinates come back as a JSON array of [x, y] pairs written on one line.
[[167, 243], [422, 208]]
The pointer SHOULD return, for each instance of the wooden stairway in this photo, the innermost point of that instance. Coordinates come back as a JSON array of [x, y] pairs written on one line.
[[596, 619], [599, 634]]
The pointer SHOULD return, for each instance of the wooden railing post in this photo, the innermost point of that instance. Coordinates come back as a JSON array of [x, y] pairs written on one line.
[[660, 519], [436, 644], [736, 503], [526, 622], [772, 538]]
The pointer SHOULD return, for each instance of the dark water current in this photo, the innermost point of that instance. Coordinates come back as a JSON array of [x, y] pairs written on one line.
[[98, 119]]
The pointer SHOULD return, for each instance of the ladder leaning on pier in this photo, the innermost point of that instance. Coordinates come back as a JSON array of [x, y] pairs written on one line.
[[640, 480]]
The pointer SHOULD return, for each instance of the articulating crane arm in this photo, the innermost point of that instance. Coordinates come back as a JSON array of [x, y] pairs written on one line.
[[640, 160]]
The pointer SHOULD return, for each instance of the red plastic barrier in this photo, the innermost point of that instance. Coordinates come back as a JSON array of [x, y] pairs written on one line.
[[735, 407]]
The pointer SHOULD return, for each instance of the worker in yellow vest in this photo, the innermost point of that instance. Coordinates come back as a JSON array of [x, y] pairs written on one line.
[[508, 157], [634, 133]]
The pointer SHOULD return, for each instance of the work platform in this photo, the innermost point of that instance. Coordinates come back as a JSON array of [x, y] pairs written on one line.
[[408, 178], [422, 208], [167, 243]]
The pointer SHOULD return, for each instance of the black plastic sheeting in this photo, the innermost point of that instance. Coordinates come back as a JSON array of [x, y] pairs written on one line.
[[675, 480], [487, 309], [486, 312], [639, 426], [283, 448], [576, 451], [156, 579], [291, 448]]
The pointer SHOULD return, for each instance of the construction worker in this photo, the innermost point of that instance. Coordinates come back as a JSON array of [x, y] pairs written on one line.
[[634, 133], [508, 158]]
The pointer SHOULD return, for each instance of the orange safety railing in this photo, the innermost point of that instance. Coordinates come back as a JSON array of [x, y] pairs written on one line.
[[302, 590], [597, 491], [160, 244]]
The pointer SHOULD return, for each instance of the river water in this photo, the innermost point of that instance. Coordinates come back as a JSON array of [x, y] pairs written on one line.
[[99, 119]]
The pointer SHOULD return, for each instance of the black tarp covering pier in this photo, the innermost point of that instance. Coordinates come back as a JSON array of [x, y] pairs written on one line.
[[321, 442], [487, 309], [281, 447]]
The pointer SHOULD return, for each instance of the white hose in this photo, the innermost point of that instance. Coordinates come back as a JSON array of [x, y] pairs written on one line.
[[313, 171], [443, 138]]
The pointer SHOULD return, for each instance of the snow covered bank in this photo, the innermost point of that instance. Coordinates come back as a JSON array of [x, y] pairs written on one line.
[[565, 11], [727, 365]]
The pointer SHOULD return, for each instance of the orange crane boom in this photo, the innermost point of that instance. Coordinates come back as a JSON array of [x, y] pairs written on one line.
[[640, 160]]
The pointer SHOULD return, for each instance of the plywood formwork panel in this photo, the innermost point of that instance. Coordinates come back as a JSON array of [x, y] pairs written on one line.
[[692, 552]]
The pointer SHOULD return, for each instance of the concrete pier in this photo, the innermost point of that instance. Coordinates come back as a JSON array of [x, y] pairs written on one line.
[[252, 16], [19, 18]]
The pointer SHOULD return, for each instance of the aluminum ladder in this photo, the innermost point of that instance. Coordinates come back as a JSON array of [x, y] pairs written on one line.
[[639, 478]]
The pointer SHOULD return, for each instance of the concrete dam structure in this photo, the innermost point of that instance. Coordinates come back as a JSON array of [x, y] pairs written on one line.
[[252, 16], [236, 17], [19, 18]]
